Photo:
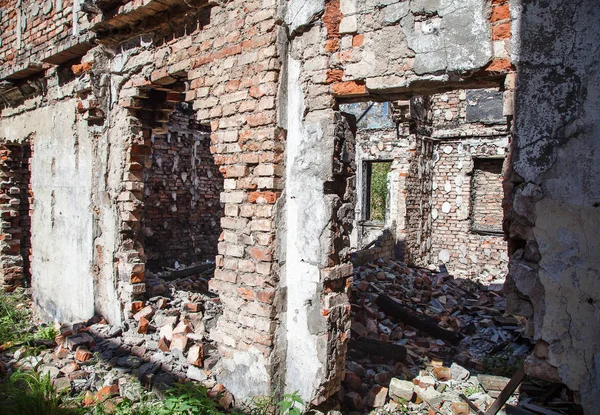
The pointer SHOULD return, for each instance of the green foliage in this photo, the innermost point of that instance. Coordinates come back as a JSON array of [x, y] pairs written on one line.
[[32, 394], [261, 405], [14, 317], [379, 191], [46, 333], [472, 390], [188, 399], [291, 404], [127, 407]]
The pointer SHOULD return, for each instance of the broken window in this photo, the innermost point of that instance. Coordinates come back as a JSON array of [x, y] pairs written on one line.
[[376, 189], [486, 196]]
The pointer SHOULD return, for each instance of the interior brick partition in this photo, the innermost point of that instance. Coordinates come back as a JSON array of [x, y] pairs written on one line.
[[182, 212]]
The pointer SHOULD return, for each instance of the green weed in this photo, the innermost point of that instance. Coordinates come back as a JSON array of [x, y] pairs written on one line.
[[32, 394], [291, 404], [15, 317]]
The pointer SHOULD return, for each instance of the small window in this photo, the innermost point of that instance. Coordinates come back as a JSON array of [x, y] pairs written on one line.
[[486, 196], [376, 189]]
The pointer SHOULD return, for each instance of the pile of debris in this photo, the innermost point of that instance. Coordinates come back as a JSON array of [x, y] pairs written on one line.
[[165, 341], [422, 340]]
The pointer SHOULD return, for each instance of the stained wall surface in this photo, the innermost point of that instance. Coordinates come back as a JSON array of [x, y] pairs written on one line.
[[553, 215], [61, 183]]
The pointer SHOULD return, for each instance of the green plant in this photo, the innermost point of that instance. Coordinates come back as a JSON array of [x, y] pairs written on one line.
[[33, 394], [15, 317], [46, 333], [291, 404], [260, 405], [379, 191], [188, 399], [472, 390]]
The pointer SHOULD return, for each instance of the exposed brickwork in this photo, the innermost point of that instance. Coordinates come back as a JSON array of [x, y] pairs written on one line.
[[486, 195], [28, 26], [419, 203], [384, 247], [453, 239], [15, 221], [223, 59], [182, 211]]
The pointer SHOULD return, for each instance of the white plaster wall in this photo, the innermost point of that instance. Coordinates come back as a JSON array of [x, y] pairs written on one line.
[[62, 222], [309, 158]]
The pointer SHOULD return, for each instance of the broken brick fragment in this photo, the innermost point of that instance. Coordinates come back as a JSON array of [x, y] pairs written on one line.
[[106, 392], [143, 325], [83, 355], [195, 355]]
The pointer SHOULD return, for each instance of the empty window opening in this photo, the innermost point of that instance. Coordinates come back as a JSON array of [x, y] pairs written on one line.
[[486, 196], [376, 191], [182, 186]]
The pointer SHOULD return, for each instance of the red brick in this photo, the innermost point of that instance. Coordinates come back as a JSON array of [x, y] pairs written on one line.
[[268, 197], [245, 293], [332, 18], [501, 31], [358, 40], [350, 88], [195, 355], [260, 253], [147, 312], [266, 296], [106, 392], [499, 65], [193, 307], [500, 13], [83, 355], [261, 118], [334, 75], [163, 344], [143, 326], [332, 45]]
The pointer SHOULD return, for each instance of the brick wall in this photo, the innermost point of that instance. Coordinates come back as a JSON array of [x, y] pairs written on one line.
[[453, 241], [33, 32], [486, 195], [384, 247], [229, 62], [182, 211], [15, 207], [418, 203]]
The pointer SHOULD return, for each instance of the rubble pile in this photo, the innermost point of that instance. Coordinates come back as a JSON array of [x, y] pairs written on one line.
[[164, 341], [446, 330]]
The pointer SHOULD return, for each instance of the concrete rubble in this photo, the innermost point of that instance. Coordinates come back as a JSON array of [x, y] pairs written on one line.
[[434, 372]]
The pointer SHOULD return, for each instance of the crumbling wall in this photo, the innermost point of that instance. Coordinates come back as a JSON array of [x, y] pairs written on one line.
[[380, 137], [223, 62], [61, 184], [16, 199], [27, 27], [346, 50], [182, 212], [419, 203], [553, 192]]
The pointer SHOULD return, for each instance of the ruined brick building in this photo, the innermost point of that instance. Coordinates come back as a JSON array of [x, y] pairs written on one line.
[[139, 133]]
